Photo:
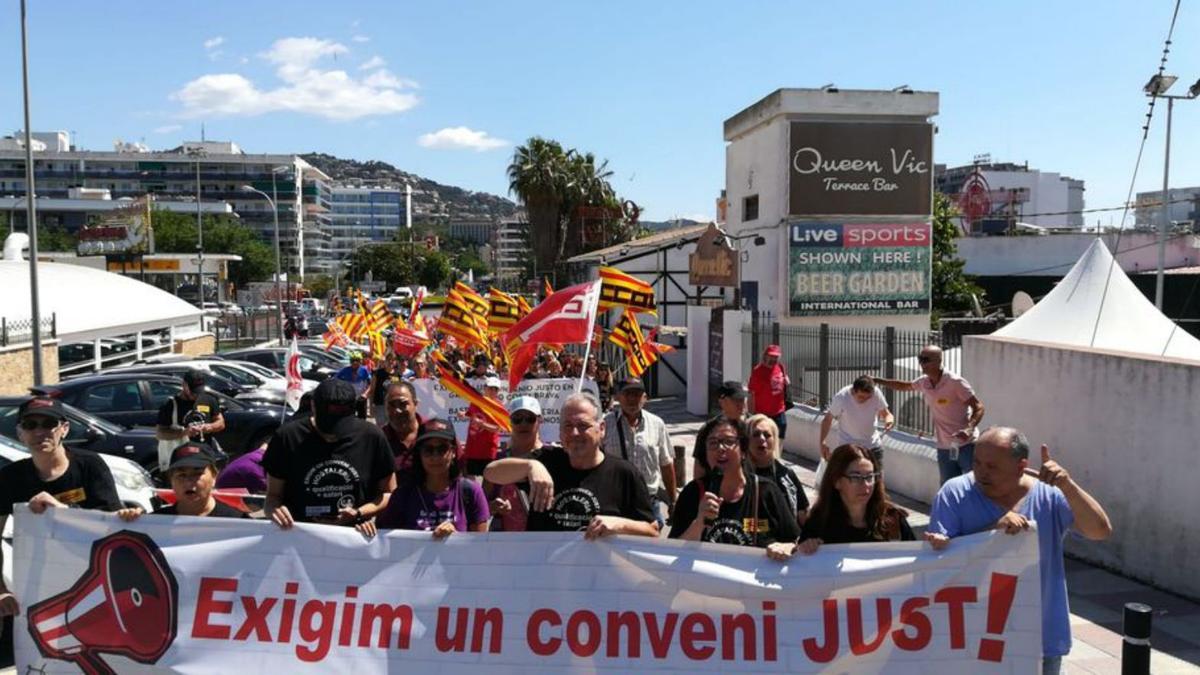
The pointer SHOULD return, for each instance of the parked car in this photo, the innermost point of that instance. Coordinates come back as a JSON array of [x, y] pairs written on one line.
[[324, 358], [271, 385], [252, 386], [132, 399], [90, 433], [275, 358], [216, 382]]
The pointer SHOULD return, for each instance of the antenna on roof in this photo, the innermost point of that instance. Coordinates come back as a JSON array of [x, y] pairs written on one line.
[[202, 132]]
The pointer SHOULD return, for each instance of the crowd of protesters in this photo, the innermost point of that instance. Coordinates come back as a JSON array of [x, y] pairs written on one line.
[[360, 453]]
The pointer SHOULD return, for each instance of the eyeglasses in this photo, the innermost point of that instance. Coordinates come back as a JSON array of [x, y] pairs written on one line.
[[524, 419], [727, 443], [863, 478], [435, 449], [47, 423]]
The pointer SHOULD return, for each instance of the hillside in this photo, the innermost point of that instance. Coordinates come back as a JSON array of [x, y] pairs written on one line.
[[432, 201]]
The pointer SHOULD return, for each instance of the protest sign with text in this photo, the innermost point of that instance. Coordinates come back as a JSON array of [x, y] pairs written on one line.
[[434, 400], [192, 594]]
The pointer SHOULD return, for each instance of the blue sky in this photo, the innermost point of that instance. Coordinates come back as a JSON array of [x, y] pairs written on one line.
[[645, 85]]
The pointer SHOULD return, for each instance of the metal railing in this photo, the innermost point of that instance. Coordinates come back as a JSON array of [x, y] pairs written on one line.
[[821, 360], [21, 330], [234, 330]]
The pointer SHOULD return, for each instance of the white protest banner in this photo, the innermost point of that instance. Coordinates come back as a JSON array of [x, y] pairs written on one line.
[[434, 400], [219, 595]]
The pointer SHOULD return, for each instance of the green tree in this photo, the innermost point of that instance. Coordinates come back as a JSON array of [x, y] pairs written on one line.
[[435, 270], [319, 285], [176, 233], [952, 289], [538, 176]]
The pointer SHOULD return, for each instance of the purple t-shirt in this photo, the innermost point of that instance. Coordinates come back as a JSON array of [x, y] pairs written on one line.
[[413, 508], [245, 472]]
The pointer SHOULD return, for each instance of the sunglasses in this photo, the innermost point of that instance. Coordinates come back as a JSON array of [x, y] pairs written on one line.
[[524, 419], [47, 423], [435, 449], [926, 359]]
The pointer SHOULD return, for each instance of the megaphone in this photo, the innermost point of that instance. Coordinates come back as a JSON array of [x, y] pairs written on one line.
[[125, 603]]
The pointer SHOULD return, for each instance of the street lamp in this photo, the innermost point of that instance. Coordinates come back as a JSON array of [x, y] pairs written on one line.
[[278, 294], [31, 214], [197, 154], [1157, 88]]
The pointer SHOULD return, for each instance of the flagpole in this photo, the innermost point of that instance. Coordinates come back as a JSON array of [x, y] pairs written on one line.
[[591, 330]]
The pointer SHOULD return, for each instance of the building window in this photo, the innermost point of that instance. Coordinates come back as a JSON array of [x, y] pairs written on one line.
[[749, 208]]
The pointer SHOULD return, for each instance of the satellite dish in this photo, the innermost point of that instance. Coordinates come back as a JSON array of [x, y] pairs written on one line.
[[1021, 303]]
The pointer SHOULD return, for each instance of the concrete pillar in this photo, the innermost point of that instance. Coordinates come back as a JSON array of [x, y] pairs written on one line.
[[138, 345], [734, 365], [96, 355], [697, 359]]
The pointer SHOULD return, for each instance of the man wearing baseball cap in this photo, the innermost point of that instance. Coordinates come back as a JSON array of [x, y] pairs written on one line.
[[510, 503], [640, 438], [768, 387], [193, 413], [331, 468], [192, 474], [731, 399], [483, 435], [51, 475]]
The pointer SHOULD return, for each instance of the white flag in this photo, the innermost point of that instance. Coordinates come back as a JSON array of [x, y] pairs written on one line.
[[295, 387]]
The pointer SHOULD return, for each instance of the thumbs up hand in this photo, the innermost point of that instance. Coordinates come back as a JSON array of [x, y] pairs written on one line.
[[1051, 473]]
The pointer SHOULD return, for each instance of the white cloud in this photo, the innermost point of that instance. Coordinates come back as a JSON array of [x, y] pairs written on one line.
[[360, 38], [460, 138], [213, 43], [306, 87], [168, 128], [373, 62]]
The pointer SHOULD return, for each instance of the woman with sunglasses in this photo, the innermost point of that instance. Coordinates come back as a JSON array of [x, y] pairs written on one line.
[[435, 498], [764, 457], [852, 507], [731, 504]]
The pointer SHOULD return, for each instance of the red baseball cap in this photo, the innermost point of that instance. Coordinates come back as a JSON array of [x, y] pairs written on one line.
[[774, 350]]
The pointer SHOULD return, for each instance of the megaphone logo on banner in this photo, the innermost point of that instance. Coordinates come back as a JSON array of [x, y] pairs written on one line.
[[125, 604]]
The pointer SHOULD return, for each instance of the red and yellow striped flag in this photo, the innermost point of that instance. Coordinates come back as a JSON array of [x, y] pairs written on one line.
[[353, 324], [627, 332], [547, 290], [619, 289], [476, 302], [450, 378], [380, 316], [459, 322], [523, 306], [504, 311]]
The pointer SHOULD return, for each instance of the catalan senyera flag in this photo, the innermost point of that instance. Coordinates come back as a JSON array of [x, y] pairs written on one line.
[[646, 355], [335, 335], [504, 311], [523, 306], [378, 346], [619, 289], [627, 332], [476, 302], [459, 322], [354, 325], [361, 301], [401, 324], [493, 410], [419, 324], [380, 316], [547, 289]]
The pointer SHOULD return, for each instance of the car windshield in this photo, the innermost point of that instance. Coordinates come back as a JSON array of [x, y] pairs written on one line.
[[237, 375], [8, 420]]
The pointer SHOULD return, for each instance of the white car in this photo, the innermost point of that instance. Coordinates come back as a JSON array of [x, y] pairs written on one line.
[[134, 488]]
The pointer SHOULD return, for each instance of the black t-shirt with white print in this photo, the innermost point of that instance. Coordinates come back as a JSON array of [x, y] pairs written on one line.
[[323, 477], [201, 410], [735, 522], [611, 488]]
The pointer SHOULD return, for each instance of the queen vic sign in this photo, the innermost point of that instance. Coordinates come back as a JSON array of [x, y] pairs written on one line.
[[848, 168]]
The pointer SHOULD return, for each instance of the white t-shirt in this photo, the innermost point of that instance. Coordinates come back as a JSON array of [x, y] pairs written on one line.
[[855, 421]]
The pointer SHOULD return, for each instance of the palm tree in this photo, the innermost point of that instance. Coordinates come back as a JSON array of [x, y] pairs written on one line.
[[538, 176]]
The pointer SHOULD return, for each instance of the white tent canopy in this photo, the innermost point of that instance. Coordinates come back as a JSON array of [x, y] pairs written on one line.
[[87, 303], [1080, 311]]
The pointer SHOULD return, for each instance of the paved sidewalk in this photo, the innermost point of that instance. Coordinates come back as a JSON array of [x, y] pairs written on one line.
[[1097, 596]]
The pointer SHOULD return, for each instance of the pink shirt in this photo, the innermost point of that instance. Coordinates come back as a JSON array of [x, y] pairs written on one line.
[[947, 403]]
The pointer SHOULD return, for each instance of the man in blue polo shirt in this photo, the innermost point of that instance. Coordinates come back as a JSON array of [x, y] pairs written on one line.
[[1003, 493]]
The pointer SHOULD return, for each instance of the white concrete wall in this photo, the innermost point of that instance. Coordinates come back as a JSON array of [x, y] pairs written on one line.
[[1054, 255], [733, 365], [756, 164], [1124, 427], [698, 317]]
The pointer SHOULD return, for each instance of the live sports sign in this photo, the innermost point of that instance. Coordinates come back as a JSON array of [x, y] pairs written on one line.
[[860, 168]]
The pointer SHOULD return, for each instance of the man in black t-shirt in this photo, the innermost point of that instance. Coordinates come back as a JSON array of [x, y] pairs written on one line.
[[193, 414], [192, 474], [51, 476], [332, 468], [578, 486]]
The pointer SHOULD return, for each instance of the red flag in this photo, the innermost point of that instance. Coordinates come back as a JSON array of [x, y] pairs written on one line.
[[408, 343], [566, 317]]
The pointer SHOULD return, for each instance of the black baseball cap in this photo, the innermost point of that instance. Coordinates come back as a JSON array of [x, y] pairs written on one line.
[[435, 429], [44, 406], [733, 389], [192, 454], [195, 378], [333, 406], [632, 383]]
